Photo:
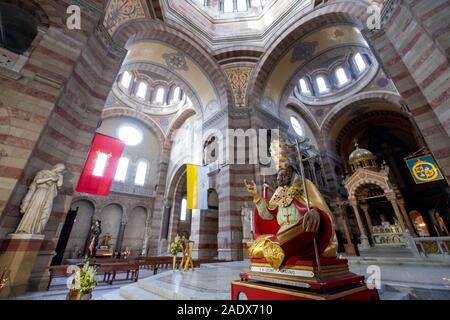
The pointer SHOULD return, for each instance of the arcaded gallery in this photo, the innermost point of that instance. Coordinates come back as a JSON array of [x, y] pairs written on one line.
[[225, 150]]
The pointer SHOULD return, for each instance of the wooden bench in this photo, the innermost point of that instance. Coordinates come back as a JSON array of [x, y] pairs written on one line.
[[155, 263], [110, 271], [57, 272]]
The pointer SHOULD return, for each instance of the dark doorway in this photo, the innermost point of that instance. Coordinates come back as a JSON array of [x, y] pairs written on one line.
[[64, 236]]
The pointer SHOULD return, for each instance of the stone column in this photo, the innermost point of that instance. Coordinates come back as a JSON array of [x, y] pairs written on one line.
[[393, 199], [120, 237], [197, 224], [166, 220], [364, 241], [365, 208], [145, 241], [401, 204], [349, 247]]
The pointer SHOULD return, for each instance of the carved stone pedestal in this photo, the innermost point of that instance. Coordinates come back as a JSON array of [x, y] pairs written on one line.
[[18, 255]]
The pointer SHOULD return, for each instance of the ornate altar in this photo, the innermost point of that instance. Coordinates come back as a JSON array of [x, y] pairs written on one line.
[[368, 185], [388, 235], [293, 254], [105, 250]]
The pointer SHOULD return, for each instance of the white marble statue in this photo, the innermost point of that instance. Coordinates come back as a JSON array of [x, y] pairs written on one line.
[[37, 204], [247, 221]]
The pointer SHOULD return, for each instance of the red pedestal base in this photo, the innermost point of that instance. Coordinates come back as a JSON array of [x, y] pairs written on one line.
[[259, 291], [302, 280]]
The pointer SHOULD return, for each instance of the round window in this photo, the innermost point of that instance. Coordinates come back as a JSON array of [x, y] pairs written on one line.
[[298, 128], [130, 135]]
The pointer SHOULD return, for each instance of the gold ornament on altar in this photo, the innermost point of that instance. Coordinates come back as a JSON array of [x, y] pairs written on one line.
[[106, 239], [186, 261]]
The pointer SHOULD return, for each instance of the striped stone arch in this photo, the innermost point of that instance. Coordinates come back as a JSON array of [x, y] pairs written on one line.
[[354, 187], [143, 29], [366, 97], [355, 101], [173, 188], [148, 66], [117, 112], [174, 195], [179, 121], [332, 12], [142, 205], [42, 10], [113, 202], [92, 200]]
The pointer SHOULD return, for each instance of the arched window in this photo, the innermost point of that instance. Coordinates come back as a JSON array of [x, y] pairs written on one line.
[[100, 164], [126, 80], [142, 90], [341, 76], [130, 135], [304, 87], [141, 172], [360, 63], [183, 211], [122, 169], [159, 97], [228, 6], [298, 128], [242, 5], [322, 84], [18, 28], [176, 94]]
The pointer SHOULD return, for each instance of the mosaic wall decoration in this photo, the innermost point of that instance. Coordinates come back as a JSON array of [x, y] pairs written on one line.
[[303, 51], [176, 61], [120, 11], [239, 78]]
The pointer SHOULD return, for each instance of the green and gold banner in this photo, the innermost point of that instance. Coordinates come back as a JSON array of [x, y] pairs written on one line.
[[424, 169]]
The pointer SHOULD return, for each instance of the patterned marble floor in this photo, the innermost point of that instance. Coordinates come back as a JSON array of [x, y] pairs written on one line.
[[401, 278], [209, 282]]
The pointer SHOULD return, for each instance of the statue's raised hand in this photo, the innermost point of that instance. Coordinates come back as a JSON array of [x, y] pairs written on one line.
[[253, 190]]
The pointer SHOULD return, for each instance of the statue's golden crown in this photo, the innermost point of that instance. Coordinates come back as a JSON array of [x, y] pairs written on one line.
[[281, 149]]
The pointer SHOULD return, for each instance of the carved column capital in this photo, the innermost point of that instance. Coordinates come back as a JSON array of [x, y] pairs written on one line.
[[353, 202], [391, 196]]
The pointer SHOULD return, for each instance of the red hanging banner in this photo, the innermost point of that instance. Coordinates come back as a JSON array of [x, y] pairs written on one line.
[[101, 165]]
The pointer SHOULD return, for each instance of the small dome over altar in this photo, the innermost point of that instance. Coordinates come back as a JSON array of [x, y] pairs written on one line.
[[362, 158]]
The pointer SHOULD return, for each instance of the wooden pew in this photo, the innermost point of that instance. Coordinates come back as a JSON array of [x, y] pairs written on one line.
[[112, 270], [57, 272]]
